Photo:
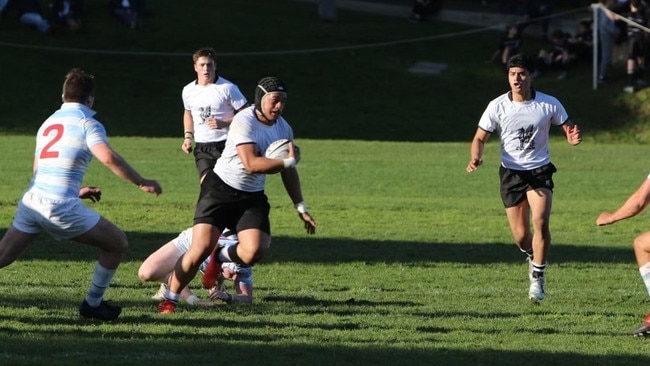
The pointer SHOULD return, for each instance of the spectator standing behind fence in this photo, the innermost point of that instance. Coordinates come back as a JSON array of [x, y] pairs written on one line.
[[29, 13], [636, 46], [607, 33]]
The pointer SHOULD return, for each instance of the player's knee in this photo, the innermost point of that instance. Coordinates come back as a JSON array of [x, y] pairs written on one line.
[[144, 274], [522, 239], [250, 257], [642, 244]]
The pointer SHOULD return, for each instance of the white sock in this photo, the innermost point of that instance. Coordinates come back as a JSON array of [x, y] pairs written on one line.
[[172, 296], [102, 278], [538, 269], [645, 275]]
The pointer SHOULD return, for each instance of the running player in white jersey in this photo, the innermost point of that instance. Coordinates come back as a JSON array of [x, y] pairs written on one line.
[[232, 194], [210, 104], [65, 144], [159, 265], [523, 118]]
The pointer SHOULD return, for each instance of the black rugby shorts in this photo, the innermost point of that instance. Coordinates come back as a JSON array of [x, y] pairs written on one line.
[[206, 155], [225, 207], [515, 183]]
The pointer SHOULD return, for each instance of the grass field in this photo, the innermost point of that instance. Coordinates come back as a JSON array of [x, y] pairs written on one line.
[[412, 262]]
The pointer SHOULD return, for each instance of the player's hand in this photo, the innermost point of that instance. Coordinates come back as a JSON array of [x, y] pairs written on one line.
[[215, 124], [150, 186], [604, 218], [473, 165], [574, 136], [187, 146], [291, 157], [215, 294], [212, 123], [310, 224], [92, 193]]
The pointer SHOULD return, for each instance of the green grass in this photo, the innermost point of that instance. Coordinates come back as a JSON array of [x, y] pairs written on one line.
[[412, 263]]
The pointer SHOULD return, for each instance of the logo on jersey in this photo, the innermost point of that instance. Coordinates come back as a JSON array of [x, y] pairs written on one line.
[[525, 136], [205, 112]]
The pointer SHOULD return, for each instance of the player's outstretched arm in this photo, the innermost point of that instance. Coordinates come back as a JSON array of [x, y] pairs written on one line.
[[634, 205], [112, 160], [291, 182]]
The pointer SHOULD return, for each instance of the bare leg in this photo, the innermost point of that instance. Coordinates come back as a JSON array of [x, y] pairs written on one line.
[[642, 248], [253, 244], [111, 241], [519, 220], [13, 244], [540, 201], [159, 265], [204, 240]]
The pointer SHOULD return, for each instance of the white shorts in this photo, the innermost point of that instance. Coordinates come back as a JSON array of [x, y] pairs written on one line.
[[62, 219]]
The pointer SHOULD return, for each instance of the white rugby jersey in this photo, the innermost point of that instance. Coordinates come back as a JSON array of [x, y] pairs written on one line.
[[246, 128], [219, 100], [63, 153], [524, 128]]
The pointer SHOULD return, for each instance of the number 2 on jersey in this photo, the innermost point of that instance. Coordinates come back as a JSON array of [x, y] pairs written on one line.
[[47, 151]]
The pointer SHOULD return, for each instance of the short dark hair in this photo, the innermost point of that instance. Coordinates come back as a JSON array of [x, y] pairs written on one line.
[[205, 52], [78, 86], [522, 61]]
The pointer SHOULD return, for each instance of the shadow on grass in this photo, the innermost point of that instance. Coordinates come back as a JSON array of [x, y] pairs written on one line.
[[70, 340], [105, 347], [331, 250]]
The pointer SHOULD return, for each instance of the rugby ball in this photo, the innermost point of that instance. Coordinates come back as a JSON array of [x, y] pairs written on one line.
[[280, 150]]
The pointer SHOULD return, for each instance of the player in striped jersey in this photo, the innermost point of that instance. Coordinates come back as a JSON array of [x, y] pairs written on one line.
[[65, 145]]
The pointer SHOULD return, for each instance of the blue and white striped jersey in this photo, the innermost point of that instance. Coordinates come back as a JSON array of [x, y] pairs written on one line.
[[63, 153]]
